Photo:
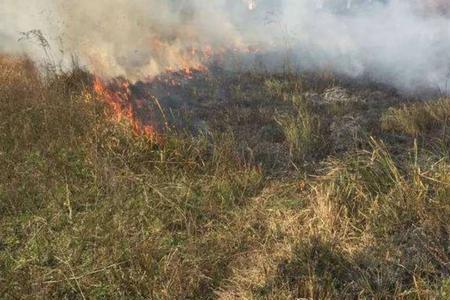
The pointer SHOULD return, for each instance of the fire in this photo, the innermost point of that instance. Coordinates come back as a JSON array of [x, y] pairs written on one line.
[[120, 101], [174, 56], [174, 65], [142, 110]]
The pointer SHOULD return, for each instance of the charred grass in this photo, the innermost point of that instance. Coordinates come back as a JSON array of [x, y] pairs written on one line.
[[298, 190]]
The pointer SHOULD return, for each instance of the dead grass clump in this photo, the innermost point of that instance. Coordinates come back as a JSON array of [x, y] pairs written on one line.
[[419, 118], [304, 130]]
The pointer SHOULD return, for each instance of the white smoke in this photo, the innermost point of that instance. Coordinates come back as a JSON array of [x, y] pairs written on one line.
[[405, 43], [396, 42]]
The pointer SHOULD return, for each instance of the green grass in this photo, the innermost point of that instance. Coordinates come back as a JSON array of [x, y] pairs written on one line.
[[89, 210]]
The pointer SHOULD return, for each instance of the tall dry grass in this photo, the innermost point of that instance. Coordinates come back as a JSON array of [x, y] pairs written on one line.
[[89, 210]]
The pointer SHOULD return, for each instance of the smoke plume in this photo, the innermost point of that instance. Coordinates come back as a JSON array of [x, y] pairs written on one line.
[[405, 43]]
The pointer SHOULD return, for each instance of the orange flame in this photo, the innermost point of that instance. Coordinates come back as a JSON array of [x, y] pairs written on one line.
[[121, 105]]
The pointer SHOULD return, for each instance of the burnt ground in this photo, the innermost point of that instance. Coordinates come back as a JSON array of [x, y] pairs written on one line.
[[251, 105]]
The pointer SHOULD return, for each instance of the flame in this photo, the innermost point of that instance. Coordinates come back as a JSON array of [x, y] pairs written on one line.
[[121, 104], [173, 56], [173, 66]]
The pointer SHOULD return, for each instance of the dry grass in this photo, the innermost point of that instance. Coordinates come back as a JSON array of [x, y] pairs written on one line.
[[88, 210], [418, 119]]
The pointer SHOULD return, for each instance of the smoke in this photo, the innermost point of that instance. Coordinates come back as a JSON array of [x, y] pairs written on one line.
[[399, 42], [405, 43]]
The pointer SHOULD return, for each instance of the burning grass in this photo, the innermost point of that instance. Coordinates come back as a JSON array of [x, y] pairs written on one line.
[[265, 187]]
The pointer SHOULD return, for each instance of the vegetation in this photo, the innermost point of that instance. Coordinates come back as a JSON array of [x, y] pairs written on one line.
[[338, 199]]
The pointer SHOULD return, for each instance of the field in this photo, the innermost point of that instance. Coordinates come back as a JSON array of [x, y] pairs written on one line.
[[265, 186]]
